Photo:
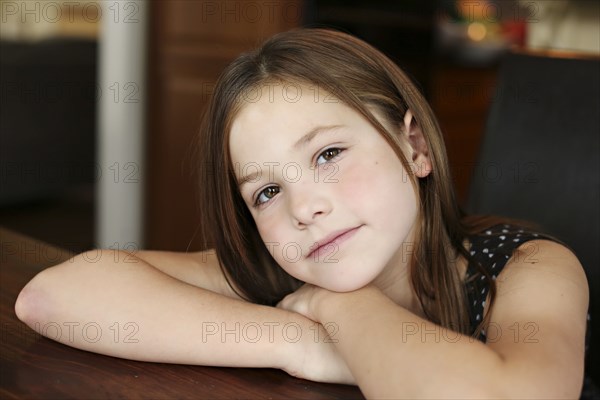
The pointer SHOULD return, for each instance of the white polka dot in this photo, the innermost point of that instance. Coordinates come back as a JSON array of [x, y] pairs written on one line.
[[501, 244], [485, 250], [483, 303], [516, 240], [507, 257], [502, 237], [494, 265], [483, 277], [494, 277], [504, 231], [488, 232], [483, 291], [473, 252], [536, 235], [475, 303], [491, 255], [478, 317]]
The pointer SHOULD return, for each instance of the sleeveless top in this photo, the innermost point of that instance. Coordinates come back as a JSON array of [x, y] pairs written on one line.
[[492, 249]]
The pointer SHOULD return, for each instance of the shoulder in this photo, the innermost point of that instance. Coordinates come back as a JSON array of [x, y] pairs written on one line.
[[538, 320], [541, 275], [504, 246], [543, 278], [535, 264]]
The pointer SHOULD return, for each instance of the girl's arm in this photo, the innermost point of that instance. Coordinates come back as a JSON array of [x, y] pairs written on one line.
[[535, 340], [111, 303], [199, 269]]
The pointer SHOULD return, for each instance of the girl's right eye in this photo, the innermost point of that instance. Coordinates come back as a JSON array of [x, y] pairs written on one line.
[[265, 195]]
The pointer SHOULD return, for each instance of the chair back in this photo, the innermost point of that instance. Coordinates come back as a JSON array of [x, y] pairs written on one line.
[[540, 158]]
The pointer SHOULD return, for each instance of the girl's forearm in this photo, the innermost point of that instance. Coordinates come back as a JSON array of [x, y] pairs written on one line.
[[134, 311], [393, 353]]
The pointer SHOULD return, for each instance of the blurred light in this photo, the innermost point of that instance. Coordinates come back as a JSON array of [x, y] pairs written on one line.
[[476, 31]]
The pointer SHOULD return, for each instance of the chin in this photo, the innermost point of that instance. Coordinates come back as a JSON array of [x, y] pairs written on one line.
[[347, 286]]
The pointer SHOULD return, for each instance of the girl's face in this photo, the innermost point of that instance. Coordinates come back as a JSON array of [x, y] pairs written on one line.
[[331, 200]]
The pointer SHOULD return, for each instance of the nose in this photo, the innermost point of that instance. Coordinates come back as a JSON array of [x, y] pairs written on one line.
[[308, 203]]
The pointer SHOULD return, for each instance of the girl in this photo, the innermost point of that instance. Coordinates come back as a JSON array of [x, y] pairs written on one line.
[[327, 194]]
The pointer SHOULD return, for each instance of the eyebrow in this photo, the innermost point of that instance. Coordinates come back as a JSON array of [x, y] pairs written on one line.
[[302, 142]]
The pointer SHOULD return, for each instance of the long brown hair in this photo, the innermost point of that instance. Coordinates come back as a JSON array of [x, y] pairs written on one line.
[[359, 76]]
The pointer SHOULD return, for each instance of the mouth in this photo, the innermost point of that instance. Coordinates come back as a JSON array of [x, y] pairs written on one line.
[[331, 241]]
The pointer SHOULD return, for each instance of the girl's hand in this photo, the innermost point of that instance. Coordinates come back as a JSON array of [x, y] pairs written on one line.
[[303, 301], [317, 359]]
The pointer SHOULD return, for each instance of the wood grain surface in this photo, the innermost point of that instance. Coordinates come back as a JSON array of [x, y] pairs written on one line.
[[35, 367]]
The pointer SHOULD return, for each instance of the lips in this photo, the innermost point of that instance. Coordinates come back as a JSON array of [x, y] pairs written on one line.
[[333, 239]]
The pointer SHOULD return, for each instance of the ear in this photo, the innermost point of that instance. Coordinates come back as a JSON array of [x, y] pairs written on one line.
[[419, 157]]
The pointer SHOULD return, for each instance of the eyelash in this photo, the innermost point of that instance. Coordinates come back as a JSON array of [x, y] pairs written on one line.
[[256, 202]]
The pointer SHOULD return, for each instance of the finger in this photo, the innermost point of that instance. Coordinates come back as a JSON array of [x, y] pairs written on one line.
[[282, 303]]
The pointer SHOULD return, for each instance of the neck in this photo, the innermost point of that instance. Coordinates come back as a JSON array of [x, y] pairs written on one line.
[[396, 284]]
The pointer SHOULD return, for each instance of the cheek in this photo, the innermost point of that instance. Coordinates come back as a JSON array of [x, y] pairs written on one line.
[[379, 186], [273, 233], [282, 244], [356, 184], [267, 228]]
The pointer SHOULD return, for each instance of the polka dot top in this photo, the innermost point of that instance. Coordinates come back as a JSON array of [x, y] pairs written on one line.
[[493, 248]]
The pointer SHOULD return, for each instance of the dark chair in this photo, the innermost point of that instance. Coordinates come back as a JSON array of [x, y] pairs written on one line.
[[47, 117], [540, 158]]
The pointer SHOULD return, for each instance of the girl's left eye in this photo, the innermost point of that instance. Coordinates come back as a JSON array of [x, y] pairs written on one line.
[[329, 154]]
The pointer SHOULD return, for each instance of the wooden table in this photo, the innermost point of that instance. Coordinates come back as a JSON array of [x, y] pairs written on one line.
[[34, 367]]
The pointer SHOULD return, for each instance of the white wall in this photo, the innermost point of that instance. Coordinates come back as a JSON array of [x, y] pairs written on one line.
[[36, 20], [121, 131], [572, 25]]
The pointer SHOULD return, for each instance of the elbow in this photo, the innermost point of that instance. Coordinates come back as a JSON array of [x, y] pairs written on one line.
[[29, 305], [37, 301], [21, 306], [49, 295]]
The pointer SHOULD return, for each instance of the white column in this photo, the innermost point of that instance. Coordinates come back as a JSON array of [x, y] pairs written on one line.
[[121, 124]]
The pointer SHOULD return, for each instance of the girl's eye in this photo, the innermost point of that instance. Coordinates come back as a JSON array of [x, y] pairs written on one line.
[[266, 194], [329, 154]]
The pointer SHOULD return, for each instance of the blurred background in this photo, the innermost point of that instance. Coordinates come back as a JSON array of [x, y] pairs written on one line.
[[101, 100]]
